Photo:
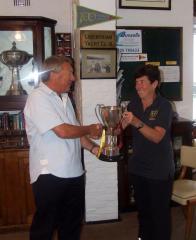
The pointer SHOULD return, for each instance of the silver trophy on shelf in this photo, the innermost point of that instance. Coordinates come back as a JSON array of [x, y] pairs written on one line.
[[110, 117], [14, 59]]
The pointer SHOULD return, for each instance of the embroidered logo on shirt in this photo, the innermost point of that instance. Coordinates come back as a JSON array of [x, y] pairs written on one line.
[[153, 114]]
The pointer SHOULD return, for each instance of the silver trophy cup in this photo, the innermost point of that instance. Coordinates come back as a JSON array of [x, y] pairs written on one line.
[[14, 59], [110, 117]]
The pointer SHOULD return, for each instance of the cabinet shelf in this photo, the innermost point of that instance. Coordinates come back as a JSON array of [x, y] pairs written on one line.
[[10, 103], [13, 139], [8, 133]]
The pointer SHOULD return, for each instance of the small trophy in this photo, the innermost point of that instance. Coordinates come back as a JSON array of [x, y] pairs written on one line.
[[110, 117]]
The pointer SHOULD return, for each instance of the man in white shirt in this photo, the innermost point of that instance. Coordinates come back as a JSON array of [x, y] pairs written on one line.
[[55, 139]]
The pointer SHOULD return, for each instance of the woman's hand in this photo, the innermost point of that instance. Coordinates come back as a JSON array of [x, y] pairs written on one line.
[[127, 118]]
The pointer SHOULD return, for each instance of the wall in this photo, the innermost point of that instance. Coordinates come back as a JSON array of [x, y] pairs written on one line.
[[176, 17], [101, 177], [59, 10]]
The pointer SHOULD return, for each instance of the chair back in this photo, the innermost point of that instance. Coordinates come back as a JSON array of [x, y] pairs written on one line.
[[188, 156]]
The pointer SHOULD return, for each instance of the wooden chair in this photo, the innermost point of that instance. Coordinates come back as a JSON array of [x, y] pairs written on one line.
[[184, 190]]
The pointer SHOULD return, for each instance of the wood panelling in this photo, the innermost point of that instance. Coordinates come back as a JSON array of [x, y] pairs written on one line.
[[16, 199]]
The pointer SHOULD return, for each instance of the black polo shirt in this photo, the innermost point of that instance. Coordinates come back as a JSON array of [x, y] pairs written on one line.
[[149, 159]]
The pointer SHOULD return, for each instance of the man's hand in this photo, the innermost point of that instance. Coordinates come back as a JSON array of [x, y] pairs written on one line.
[[95, 131], [95, 150]]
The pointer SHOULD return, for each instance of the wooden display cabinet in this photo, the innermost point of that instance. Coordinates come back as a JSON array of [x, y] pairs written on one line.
[[181, 133], [37, 37], [16, 200]]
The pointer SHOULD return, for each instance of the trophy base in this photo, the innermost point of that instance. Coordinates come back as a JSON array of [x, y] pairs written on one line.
[[106, 158], [16, 92]]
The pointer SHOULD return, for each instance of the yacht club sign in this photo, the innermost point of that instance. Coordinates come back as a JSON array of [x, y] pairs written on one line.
[[97, 39]]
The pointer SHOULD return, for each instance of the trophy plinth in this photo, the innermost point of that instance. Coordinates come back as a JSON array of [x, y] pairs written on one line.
[[110, 117], [14, 59]]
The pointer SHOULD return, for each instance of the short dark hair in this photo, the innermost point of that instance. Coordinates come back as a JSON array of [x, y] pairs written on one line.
[[149, 70], [53, 64]]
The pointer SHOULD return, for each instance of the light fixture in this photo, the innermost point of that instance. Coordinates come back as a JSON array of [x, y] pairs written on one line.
[[17, 36]]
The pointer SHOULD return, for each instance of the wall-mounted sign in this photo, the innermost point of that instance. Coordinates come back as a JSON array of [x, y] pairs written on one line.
[[86, 16], [129, 41], [134, 57], [97, 39]]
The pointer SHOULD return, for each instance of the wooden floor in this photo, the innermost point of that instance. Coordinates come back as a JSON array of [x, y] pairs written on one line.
[[125, 229]]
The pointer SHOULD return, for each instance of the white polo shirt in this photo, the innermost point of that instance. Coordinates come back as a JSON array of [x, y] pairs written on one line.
[[49, 153]]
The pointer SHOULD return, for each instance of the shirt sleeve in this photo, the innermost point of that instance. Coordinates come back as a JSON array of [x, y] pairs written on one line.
[[41, 113]]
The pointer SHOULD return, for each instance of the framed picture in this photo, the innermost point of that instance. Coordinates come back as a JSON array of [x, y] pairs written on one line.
[[63, 44], [98, 63], [146, 4]]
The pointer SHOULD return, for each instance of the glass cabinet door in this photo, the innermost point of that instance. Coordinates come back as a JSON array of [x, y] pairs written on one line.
[[16, 67], [47, 42], [24, 44]]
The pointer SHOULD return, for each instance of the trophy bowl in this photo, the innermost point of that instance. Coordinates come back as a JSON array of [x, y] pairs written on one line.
[[110, 117], [14, 59]]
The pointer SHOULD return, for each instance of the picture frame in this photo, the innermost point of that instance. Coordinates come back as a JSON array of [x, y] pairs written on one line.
[[98, 63], [146, 4], [63, 44]]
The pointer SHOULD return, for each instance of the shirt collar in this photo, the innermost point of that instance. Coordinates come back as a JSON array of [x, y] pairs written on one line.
[[158, 95], [48, 90], [45, 88]]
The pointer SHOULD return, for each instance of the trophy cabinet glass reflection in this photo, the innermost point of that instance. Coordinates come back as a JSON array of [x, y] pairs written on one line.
[[27, 72], [23, 41]]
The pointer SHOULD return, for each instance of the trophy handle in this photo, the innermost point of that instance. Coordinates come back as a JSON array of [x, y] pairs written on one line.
[[98, 112]]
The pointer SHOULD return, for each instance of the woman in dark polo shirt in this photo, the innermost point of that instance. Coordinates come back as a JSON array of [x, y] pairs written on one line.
[[151, 166]]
